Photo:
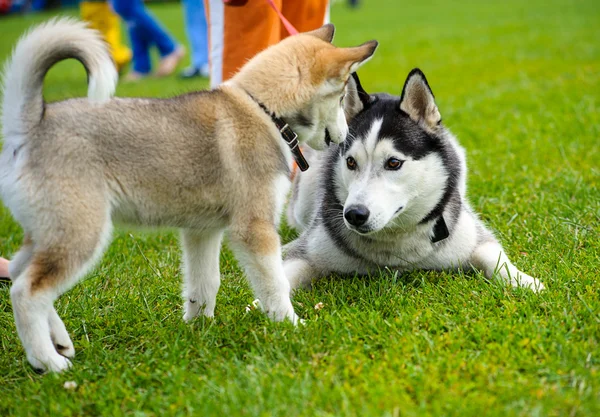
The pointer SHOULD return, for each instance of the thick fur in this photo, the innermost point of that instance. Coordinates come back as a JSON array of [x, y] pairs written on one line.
[[201, 162], [404, 206]]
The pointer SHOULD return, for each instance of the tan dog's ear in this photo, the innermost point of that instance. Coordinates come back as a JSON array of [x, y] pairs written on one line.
[[418, 101], [348, 60], [356, 98], [324, 33]]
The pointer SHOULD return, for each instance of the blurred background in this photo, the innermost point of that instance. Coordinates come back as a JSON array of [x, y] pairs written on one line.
[[518, 82]]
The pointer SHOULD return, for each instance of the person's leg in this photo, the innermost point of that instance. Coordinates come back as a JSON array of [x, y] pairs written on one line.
[[197, 32], [100, 17], [148, 31], [137, 36], [236, 34], [305, 15], [142, 63]]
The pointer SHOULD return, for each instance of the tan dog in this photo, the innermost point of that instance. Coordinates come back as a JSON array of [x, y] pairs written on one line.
[[201, 162]]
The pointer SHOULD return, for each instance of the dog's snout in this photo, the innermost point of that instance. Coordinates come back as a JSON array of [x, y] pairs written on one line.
[[357, 215]]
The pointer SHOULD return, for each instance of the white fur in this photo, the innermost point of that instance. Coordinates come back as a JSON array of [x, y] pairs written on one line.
[[22, 100], [201, 251], [42, 332], [22, 71], [268, 279], [394, 240], [281, 188], [388, 194], [330, 112]]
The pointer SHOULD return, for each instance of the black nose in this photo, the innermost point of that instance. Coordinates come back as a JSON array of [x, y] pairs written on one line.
[[357, 215]]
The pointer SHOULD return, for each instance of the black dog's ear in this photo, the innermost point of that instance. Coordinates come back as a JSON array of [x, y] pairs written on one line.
[[356, 97], [418, 101]]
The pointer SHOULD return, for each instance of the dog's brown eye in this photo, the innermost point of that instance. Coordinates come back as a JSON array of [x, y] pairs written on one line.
[[393, 164], [351, 163]]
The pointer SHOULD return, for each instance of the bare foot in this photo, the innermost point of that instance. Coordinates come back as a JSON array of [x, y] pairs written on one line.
[[169, 63], [134, 76], [4, 268]]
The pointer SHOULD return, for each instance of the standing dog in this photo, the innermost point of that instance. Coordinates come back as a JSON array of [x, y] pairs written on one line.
[[392, 195], [200, 162]]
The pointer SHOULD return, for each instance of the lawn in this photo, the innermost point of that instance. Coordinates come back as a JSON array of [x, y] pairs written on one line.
[[518, 83]]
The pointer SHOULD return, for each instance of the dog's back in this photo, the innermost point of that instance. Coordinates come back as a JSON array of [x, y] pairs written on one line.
[[200, 162]]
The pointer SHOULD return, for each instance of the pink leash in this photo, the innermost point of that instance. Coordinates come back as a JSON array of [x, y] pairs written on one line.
[[289, 27]]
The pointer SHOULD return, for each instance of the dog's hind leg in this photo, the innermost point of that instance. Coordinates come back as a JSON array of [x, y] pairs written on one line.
[[491, 259], [201, 271], [56, 265], [257, 247], [59, 335]]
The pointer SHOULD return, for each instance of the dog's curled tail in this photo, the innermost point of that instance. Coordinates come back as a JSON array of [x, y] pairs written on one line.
[[35, 53]]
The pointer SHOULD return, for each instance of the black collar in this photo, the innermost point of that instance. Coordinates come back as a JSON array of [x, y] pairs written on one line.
[[440, 230], [290, 137]]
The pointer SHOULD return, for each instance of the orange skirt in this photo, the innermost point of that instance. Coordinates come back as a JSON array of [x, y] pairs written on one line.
[[236, 34]]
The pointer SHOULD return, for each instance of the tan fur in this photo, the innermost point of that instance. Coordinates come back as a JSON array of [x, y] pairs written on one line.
[[200, 162], [45, 270]]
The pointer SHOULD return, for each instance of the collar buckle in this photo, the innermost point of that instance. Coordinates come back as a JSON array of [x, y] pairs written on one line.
[[289, 136], [440, 230]]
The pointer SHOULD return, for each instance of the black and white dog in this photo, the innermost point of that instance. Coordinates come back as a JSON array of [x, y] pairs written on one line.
[[392, 195]]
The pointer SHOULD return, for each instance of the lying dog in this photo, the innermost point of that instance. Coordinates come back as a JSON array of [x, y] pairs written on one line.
[[392, 195], [200, 162]]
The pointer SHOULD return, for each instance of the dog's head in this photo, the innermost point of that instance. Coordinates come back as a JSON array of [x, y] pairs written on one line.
[[303, 79], [398, 162]]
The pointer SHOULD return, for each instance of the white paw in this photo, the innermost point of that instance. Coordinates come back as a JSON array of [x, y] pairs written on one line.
[[278, 311], [65, 350], [526, 281], [51, 363], [59, 335], [62, 342], [193, 308]]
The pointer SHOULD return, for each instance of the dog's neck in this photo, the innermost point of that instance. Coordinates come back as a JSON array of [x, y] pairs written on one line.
[[289, 136]]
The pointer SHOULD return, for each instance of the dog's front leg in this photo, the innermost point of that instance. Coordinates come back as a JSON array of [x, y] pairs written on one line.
[[257, 247], [202, 278], [299, 273], [491, 259]]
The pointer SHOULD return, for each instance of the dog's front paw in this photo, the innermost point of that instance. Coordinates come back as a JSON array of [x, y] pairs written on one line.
[[526, 281], [192, 308], [278, 311], [51, 363]]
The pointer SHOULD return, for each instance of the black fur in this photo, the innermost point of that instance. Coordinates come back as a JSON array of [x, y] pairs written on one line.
[[410, 139], [333, 208]]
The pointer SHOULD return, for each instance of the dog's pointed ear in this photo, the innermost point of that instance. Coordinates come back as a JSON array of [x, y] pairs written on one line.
[[356, 98], [418, 101], [348, 60], [324, 33]]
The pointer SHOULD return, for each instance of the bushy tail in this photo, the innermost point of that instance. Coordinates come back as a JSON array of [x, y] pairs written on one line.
[[35, 53]]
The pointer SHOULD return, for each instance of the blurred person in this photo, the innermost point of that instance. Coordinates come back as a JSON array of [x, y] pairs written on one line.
[[197, 32], [103, 19], [144, 32], [236, 34]]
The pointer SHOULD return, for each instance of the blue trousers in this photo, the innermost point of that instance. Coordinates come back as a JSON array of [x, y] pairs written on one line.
[[144, 32], [197, 31]]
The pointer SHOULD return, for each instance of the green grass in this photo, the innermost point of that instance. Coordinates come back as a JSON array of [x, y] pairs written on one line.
[[518, 82]]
